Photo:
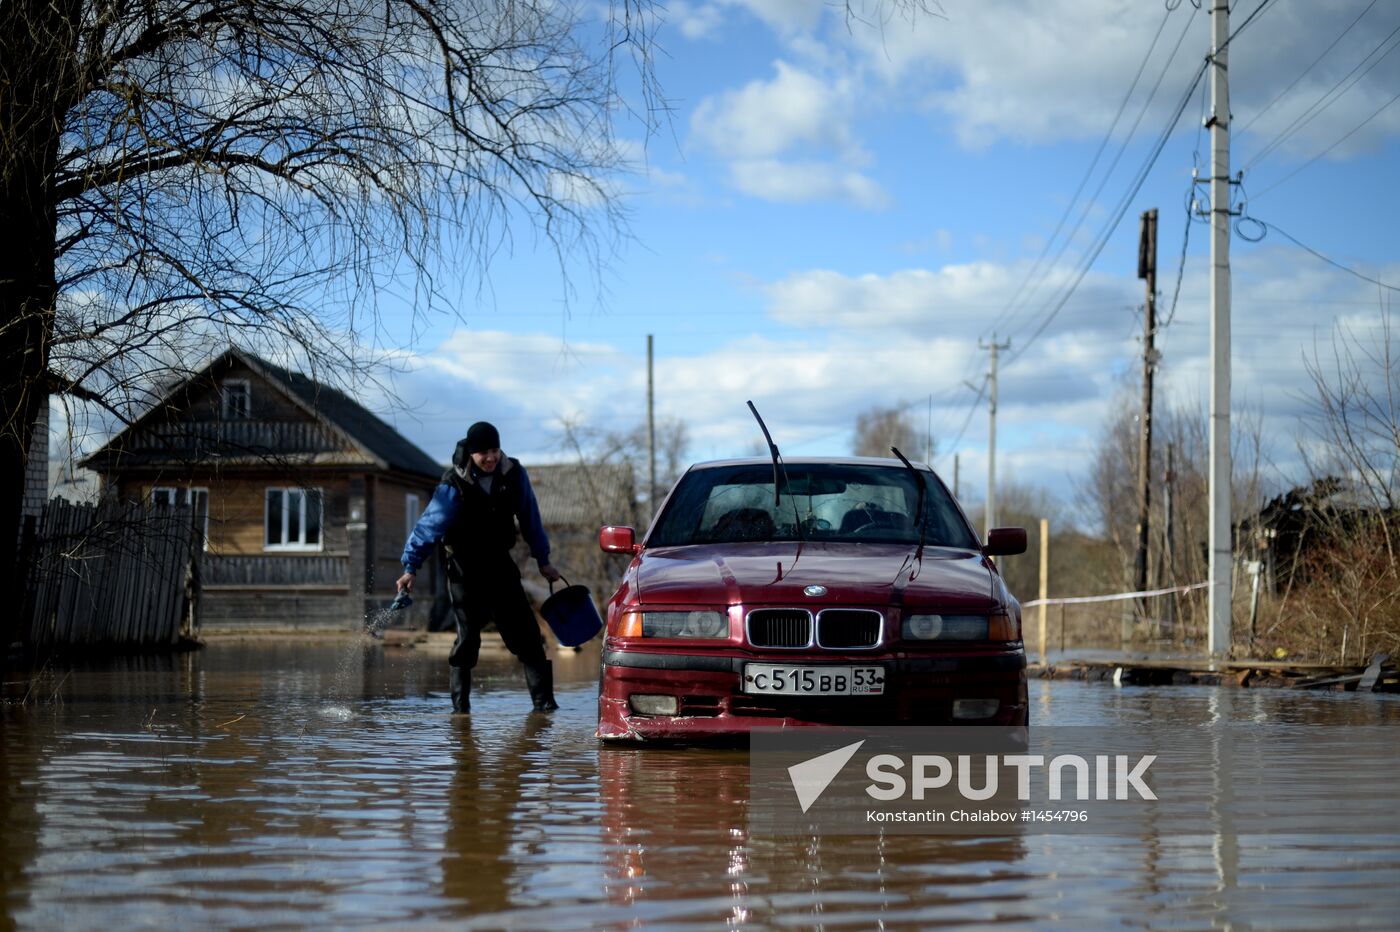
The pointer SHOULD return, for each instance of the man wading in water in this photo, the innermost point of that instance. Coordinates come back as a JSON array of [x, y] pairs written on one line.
[[473, 515]]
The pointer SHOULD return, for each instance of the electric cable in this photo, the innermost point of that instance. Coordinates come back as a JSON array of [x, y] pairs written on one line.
[[1141, 178], [1103, 182], [1273, 228], [1308, 70], [1117, 217], [1318, 106], [1323, 154], [1088, 173]]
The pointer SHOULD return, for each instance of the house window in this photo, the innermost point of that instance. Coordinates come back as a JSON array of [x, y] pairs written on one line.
[[292, 519], [237, 400], [190, 497], [412, 508]]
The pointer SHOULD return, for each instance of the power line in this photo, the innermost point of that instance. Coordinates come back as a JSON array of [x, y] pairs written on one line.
[[1126, 201], [1088, 172], [1325, 258], [1308, 70], [1117, 218], [1318, 106], [1383, 107], [1122, 149]]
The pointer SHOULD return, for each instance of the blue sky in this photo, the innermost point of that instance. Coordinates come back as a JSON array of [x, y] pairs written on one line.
[[839, 211]]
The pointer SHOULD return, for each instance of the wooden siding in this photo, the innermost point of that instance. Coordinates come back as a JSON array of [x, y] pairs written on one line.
[[260, 438], [280, 570], [275, 608], [389, 530], [266, 402], [236, 507]]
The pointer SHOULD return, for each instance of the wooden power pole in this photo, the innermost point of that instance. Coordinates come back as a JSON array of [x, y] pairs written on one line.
[[1147, 270], [651, 432]]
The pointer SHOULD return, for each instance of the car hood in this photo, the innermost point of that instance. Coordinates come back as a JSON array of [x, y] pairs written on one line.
[[778, 572]]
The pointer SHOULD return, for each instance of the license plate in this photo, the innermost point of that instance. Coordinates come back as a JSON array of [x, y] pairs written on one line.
[[783, 680]]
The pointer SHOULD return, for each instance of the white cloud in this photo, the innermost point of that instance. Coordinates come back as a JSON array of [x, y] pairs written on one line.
[[695, 21], [897, 339], [979, 295], [797, 115], [764, 119], [1057, 69], [802, 182]]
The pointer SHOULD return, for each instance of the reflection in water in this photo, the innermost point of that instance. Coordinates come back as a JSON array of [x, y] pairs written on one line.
[[214, 788]]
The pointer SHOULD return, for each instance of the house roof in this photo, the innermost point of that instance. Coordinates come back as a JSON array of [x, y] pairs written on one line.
[[380, 440], [373, 441], [573, 495]]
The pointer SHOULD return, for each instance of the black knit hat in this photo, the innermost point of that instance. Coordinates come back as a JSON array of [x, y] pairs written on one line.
[[481, 437]]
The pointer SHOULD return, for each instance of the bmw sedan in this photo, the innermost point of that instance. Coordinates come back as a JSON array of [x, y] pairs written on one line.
[[811, 591]]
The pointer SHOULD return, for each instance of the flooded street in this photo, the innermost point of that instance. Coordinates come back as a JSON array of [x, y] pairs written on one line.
[[273, 785]]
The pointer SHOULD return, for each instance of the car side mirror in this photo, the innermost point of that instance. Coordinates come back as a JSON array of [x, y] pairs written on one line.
[[1005, 541], [615, 539]]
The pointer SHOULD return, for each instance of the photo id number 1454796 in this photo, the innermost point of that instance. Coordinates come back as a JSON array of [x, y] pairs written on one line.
[[779, 679]]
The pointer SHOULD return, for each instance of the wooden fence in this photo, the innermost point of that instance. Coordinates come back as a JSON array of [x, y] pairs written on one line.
[[111, 575]]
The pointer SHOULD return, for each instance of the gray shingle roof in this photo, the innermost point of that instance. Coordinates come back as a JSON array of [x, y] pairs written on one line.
[[376, 441], [377, 437], [571, 495]]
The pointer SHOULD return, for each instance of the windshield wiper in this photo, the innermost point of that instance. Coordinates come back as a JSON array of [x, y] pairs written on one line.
[[779, 483], [923, 518]]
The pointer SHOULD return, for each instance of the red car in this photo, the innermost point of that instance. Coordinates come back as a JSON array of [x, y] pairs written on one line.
[[856, 593]]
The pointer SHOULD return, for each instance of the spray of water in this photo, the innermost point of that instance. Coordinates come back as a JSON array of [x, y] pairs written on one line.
[[349, 670]]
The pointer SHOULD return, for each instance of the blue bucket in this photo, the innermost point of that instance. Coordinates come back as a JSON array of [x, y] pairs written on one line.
[[571, 614]]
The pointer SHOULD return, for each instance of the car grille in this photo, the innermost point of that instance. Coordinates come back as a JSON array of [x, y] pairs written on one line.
[[848, 628], [780, 627]]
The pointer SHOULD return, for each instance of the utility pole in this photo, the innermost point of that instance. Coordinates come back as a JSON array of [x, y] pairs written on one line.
[[1147, 270], [994, 347], [1044, 582], [1221, 548], [1169, 533], [651, 431], [928, 434], [956, 457]]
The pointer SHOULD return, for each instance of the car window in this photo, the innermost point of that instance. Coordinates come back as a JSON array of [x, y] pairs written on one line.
[[826, 501]]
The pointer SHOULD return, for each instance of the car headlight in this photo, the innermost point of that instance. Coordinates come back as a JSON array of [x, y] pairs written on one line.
[[923, 627], [929, 627], [700, 624]]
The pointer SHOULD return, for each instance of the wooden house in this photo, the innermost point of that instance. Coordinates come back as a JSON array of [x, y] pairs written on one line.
[[305, 496]]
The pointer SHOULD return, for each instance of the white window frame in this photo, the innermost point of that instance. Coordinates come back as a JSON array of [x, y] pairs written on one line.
[[412, 511], [183, 495], [226, 410], [297, 546]]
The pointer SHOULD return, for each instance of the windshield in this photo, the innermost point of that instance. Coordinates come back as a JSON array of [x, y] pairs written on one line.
[[822, 501]]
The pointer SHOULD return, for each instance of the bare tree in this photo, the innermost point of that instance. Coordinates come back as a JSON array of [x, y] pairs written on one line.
[[181, 173], [1107, 498], [878, 429], [1342, 591]]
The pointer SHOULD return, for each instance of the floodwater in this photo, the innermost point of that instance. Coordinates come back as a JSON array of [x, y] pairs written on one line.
[[276, 785]]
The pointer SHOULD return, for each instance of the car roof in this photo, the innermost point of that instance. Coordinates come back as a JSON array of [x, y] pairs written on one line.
[[812, 460]]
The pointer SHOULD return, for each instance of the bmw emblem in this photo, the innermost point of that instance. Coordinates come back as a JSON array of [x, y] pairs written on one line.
[[815, 592]]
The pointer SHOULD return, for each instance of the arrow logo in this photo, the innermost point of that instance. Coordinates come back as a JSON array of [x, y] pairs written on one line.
[[811, 777]]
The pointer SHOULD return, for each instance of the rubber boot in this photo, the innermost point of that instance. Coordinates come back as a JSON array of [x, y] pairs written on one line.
[[461, 681], [540, 680]]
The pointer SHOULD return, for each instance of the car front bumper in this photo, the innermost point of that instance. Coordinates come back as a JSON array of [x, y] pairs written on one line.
[[921, 688]]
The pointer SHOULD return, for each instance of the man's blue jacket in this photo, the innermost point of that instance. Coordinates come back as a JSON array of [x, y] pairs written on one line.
[[437, 520]]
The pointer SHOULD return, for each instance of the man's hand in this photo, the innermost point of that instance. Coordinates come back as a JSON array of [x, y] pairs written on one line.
[[550, 573], [405, 583]]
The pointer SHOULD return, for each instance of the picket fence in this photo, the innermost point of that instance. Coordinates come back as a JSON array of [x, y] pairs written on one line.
[[111, 576]]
